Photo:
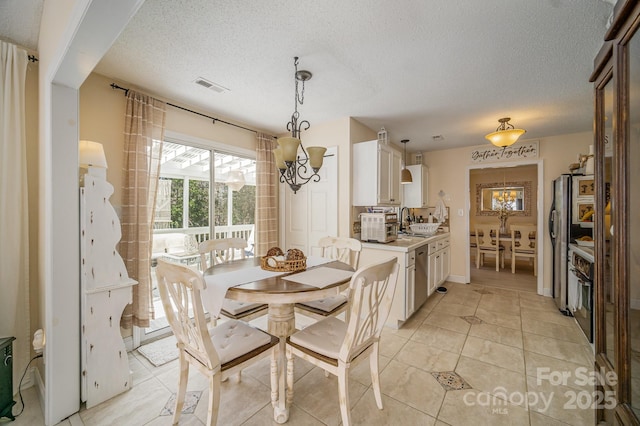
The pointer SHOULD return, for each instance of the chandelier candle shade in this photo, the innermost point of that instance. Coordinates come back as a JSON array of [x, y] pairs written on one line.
[[294, 168], [405, 174], [505, 135]]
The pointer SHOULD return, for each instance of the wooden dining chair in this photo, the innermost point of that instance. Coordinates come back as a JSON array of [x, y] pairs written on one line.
[[488, 242], [217, 353], [523, 244], [346, 250], [224, 250], [336, 346]]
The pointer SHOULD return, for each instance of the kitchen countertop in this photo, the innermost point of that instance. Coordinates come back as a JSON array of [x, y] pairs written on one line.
[[405, 243]]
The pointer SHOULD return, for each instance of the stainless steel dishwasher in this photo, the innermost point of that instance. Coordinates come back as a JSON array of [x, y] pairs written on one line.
[[421, 291]]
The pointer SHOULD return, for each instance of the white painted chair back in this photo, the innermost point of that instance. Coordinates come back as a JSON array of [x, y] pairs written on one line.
[[180, 288], [221, 251], [488, 242], [345, 250], [523, 238], [238, 344], [487, 236], [371, 295], [523, 244]]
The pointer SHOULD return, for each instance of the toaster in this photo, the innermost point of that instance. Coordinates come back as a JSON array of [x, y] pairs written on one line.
[[379, 227]]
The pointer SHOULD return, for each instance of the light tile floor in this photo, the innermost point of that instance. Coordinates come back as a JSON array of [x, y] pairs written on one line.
[[508, 346]]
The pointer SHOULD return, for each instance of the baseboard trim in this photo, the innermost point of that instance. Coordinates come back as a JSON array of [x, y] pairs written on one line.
[[547, 292], [41, 388], [456, 279], [128, 343]]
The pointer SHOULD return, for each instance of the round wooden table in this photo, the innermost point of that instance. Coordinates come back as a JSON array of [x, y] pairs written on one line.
[[281, 296]]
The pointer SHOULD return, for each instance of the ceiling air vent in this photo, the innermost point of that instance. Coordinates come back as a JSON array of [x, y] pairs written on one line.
[[210, 85]]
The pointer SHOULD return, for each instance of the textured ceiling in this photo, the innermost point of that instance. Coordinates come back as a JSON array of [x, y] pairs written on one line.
[[20, 22], [417, 67]]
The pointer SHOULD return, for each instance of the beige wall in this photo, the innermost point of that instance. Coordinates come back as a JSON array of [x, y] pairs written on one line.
[[449, 171]]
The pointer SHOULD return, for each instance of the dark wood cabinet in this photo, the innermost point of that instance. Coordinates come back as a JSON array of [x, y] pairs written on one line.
[[616, 79]]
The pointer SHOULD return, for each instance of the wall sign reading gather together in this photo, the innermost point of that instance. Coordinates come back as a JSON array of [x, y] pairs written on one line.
[[517, 151]]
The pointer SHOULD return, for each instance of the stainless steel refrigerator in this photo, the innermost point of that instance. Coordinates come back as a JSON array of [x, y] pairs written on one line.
[[560, 232]]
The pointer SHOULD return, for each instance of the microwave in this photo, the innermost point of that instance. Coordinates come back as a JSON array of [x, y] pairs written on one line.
[[379, 227]]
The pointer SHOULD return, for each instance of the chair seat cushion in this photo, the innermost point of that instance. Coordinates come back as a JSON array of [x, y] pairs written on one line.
[[324, 337], [235, 338], [236, 308], [524, 251], [493, 248], [328, 304]]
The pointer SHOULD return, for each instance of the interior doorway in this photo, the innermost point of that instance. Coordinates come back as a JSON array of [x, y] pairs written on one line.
[[507, 194]]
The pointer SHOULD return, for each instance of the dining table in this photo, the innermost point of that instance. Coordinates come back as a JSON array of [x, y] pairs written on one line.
[[245, 281]]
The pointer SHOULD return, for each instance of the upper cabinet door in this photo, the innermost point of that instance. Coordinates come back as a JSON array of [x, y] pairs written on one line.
[[376, 174], [415, 194], [385, 171], [396, 164]]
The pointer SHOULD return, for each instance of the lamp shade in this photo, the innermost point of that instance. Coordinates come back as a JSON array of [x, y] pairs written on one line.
[[502, 138], [235, 180], [316, 156], [405, 176], [277, 153], [289, 148], [92, 154]]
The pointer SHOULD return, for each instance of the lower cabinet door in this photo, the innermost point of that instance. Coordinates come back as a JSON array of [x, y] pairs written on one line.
[[410, 286]]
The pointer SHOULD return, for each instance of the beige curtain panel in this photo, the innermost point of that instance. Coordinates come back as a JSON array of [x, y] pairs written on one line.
[[266, 196], [143, 135], [14, 212]]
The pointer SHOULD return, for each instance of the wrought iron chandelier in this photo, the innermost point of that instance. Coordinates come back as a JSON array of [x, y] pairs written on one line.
[[294, 168]]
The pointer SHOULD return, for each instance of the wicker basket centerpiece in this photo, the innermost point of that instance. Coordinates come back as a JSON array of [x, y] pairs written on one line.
[[277, 261]]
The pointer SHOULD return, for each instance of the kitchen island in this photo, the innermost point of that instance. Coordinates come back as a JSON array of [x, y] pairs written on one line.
[[426, 264]]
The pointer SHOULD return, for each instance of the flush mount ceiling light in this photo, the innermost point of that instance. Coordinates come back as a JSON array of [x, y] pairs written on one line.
[[405, 175], [505, 135], [293, 168]]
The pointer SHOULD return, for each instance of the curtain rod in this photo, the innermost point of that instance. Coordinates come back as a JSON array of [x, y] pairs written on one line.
[[114, 86]]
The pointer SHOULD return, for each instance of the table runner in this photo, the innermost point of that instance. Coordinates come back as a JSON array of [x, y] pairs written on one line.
[[217, 285]]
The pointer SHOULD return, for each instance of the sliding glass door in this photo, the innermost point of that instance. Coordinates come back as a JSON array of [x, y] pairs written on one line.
[[203, 193]]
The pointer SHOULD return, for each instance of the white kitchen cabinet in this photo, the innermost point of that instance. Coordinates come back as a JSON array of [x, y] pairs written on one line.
[[376, 174], [409, 292], [410, 282], [439, 263], [415, 194]]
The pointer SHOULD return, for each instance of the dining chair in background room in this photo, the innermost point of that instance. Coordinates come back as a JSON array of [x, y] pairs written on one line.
[[523, 244], [488, 242], [335, 345], [218, 352], [224, 250], [346, 250]]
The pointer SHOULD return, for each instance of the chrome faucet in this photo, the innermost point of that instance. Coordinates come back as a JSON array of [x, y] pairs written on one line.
[[402, 220]]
